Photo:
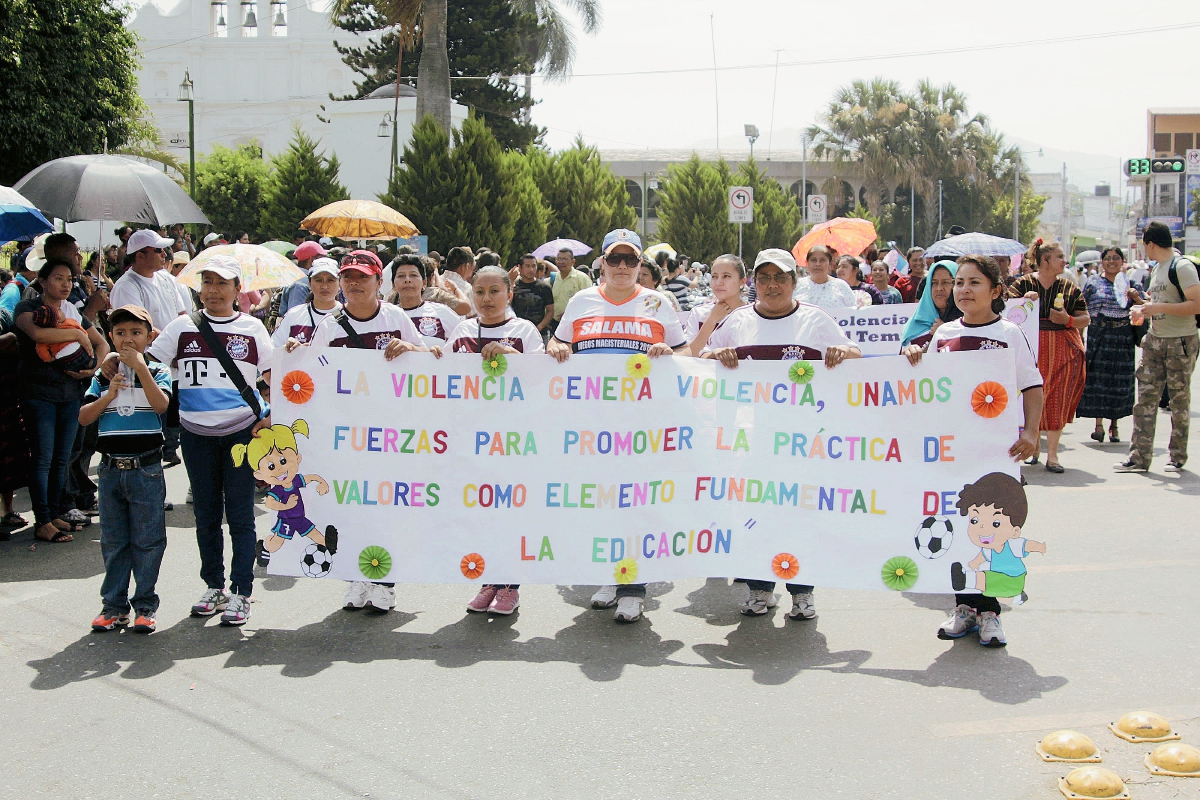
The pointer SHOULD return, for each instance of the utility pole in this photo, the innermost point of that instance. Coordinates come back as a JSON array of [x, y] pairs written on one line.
[[912, 216], [939, 236], [1017, 203], [643, 204], [1062, 226], [804, 185]]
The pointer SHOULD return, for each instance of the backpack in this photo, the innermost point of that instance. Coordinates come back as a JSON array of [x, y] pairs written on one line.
[[1173, 277]]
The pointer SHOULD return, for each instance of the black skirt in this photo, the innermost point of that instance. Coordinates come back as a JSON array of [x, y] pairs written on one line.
[[1111, 388]]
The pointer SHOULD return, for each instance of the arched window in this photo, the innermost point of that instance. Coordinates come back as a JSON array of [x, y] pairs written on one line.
[[652, 201], [219, 17], [843, 204], [635, 195], [278, 17], [794, 191]]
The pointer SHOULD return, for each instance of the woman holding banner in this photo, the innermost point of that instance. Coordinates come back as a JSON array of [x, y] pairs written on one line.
[[591, 324], [775, 327], [367, 324], [979, 292], [1060, 346], [935, 308]]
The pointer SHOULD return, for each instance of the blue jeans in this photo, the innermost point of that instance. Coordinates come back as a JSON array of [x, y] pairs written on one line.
[[133, 535], [52, 429], [221, 489]]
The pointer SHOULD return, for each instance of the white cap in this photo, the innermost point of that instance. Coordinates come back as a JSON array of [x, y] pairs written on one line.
[[141, 239], [212, 237], [225, 266], [774, 255], [325, 241], [37, 256], [326, 265]]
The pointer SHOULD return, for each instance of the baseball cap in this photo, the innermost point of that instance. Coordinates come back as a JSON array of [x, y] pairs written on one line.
[[212, 237], [128, 312], [36, 258], [181, 257], [363, 261], [326, 241], [225, 266], [622, 236], [326, 265], [141, 239], [773, 255], [308, 250]]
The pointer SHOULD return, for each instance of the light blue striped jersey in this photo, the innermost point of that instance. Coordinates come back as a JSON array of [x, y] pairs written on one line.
[[129, 426]]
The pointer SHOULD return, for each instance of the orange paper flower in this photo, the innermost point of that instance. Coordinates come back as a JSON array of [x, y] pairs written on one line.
[[471, 565], [298, 387], [989, 399], [785, 566]]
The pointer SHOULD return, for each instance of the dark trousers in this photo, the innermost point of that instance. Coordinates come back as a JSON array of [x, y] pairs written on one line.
[[978, 602], [81, 489], [631, 590], [502, 585], [219, 489], [769, 586], [51, 428]]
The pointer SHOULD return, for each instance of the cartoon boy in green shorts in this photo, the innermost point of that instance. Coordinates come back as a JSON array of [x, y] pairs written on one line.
[[996, 508]]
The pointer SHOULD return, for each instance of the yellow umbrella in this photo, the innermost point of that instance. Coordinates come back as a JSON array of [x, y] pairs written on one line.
[[261, 268], [359, 219], [662, 247], [848, 236]]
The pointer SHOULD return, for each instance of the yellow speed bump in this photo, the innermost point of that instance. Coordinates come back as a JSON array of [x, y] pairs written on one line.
[[1093, 783], [1176, 759], [1070, 746], [1143, 726]]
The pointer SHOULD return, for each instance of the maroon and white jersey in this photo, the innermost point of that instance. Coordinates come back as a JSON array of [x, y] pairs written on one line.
[[959, 336], [807, 332], [434, 321], [387, 323], [299, 323], [520, 334]]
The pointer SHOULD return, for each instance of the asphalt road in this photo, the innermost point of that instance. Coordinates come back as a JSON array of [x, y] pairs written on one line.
[[308, 701]]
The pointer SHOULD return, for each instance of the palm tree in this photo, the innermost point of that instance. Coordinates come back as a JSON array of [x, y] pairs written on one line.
[[553, 49], [947, 143]]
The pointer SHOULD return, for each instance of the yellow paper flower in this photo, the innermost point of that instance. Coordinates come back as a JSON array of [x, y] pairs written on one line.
[[637, 366], [626, 571]]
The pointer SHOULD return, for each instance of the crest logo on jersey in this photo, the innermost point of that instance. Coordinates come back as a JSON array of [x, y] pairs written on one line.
[[191, 348], [381, 341], [792, 352], [428, 326], [238, 347], [508, 341], [652, 302]]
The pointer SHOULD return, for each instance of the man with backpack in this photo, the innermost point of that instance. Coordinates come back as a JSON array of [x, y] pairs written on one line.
[[1168, 351]]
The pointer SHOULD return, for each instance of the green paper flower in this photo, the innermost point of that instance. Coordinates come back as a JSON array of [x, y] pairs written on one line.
[[374, 562], [637, 365], [801, 372], [495, 366], [900, 573]]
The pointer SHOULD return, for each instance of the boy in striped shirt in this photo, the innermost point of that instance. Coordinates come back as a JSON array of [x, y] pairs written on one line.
[[133, 527]]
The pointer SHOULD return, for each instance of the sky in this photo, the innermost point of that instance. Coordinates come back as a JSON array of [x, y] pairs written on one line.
[[1076, 98]]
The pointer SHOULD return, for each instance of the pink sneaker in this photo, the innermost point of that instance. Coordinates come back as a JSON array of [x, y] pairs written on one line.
[[482, 600], [505, 602]]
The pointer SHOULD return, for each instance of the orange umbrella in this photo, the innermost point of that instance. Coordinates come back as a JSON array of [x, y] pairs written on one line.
[[847, 236], [359, 219]]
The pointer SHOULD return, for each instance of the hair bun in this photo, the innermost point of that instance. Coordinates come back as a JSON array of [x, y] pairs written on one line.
[[1039, 241]]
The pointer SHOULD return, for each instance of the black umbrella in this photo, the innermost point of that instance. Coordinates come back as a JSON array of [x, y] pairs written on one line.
[[102, 187]]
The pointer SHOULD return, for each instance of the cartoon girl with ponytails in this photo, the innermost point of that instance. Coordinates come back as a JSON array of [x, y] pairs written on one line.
[[275, 458]]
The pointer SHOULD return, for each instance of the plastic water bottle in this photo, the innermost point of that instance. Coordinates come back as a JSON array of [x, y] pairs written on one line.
[[1135, 316], [125, 403]]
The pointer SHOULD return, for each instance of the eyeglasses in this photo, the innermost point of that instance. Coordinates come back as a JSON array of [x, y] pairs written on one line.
[[765, 279], [617, 259]]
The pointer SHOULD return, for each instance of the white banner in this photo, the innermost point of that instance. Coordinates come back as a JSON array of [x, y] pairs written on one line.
[[612, 469], [876, 330]]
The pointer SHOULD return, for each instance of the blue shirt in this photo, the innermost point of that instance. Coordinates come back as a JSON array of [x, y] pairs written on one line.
[[129, 426], [294, 295], [11, 296]]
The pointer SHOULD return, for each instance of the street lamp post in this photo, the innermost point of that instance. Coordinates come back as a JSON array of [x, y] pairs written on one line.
[[187, 95], [804, 185], [752, 135]]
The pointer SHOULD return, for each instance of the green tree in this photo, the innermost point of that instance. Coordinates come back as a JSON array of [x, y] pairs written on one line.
[[692, 209], [531, 215], [481, 212], [586, 199], [999, 219], [776, 215], [423, 188], [301, 181], [230, 185], [69, 82]]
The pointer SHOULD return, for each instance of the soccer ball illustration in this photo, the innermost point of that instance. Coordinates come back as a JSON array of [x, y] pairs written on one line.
[[934, 537], [316, 561]]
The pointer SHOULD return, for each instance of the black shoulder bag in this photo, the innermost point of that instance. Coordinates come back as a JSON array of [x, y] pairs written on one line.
[[227, 364], [344, 321]]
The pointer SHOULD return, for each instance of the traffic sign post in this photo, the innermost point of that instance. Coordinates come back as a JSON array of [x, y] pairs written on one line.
[[741, 209], [1192, 160], [818, 208]]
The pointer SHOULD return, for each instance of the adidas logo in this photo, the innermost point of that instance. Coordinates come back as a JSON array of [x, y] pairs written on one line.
[[192, 348]]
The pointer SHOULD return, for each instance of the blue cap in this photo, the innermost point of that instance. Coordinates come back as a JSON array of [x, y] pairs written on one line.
[[622, 236]]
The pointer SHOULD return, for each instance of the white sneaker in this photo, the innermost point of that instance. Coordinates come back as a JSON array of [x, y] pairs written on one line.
[[990, 632], [629, 609], [962, 621], [802, 606], [605, 597], [238, 610], [381, 598], [759, 602], [356, 595], [212, 601]]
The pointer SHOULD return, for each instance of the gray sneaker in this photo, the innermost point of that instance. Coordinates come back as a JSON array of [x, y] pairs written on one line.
[[802, 606], [77, 517], [962, 621], [759, 602], [238, 610], [629, 609], [605, 597], [990, 632], [212, 601]]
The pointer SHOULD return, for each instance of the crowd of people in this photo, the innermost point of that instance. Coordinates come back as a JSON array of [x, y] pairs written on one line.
[[110, 358]]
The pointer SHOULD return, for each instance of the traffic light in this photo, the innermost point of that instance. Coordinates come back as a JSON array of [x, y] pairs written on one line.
[[1137, 167]]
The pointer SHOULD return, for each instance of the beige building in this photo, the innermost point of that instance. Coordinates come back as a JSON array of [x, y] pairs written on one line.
[[1173, 132]]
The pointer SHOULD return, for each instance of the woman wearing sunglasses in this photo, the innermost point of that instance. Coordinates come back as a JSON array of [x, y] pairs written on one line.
[[593, 322]]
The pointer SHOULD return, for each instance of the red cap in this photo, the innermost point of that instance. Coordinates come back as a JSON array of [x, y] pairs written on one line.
[[308, 250], [363, 261]]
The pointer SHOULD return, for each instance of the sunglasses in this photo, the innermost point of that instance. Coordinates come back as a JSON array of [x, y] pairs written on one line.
[[617, 259], [359, 261]]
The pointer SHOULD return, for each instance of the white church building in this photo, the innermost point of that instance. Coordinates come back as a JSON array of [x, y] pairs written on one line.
[[259, 68]]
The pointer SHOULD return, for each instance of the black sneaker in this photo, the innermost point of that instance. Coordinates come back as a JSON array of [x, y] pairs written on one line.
[[1129, 465], [1173, 466], [261, 554], [331, 537]]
